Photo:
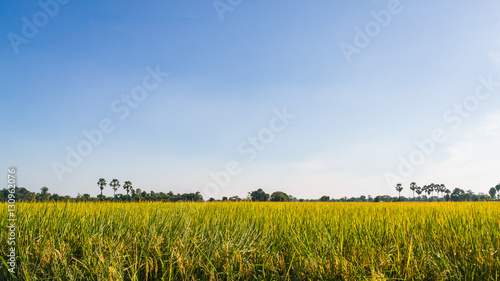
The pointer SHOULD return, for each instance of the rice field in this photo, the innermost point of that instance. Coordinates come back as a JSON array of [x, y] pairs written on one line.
[[255, 241]]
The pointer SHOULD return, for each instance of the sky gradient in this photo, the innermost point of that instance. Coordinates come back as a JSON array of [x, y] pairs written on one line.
[[415, 67]]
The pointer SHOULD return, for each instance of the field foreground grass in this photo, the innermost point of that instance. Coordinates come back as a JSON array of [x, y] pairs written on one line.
[[255, 241]]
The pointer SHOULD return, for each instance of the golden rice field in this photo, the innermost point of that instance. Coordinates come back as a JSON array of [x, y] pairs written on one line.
[[256, 241]]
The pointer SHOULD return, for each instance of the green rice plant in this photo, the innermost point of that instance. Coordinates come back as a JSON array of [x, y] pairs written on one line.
[[255, 241]]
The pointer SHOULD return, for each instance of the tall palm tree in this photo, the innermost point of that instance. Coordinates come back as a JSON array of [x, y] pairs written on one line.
[[115, 184], [101, 183], [418, 190], [399, 188], [447, 191], [437, 188], [428, 189], [413, 187], [442, 189], [127, 186]]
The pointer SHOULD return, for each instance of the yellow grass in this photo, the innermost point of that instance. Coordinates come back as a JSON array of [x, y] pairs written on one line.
[[256, 241]]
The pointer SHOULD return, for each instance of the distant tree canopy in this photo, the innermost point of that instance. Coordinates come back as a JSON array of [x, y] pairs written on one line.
[[259, 195], [280, 196], [24, 195], [324, 198], [432, 192], [493, 192]]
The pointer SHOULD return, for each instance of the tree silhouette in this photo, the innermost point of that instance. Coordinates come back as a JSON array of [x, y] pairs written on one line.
[[418, 190], [127, 185], [458, 194], [440, 188], [259, 195], [428, 189], [279, 196], [413, 187], [447, 191], [399, 188], [432, 188], [44, 194], [101, 183], [115, 184], [493, 192], [324, 198]]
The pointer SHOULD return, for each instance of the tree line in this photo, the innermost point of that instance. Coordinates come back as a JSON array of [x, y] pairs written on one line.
[[430, 192], [457, 194]]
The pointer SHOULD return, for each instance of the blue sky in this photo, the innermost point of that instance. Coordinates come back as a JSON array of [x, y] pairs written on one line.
[[229, 71]]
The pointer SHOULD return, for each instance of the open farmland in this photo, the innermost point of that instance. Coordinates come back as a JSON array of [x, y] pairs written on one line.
[[256, 241]]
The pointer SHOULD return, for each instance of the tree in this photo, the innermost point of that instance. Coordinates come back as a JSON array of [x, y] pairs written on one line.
[[115, 184], [55, 197], [492, 192], [413, 187], [138, 194], [44, 194], [498, 190], [197, 197], [153, 195], [259, 195], [437, 189], [280, 196], [101, 183], [458, 194], [324, 198], [469, 195], [127, 185], [442, 189], [429, 189], [399, 188], [447, 191], [432, 188], [418, 190], [22, 194]]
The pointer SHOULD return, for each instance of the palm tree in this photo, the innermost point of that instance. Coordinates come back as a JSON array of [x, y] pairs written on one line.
[[447, 191], [418, 190], [428, 189], [399, 188], [437, 189], [101, 183], [413, 187], [442, 189], [115, 184], [127, 186]]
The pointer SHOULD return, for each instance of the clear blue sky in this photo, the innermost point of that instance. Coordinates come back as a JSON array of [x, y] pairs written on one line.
[[66, 65]]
